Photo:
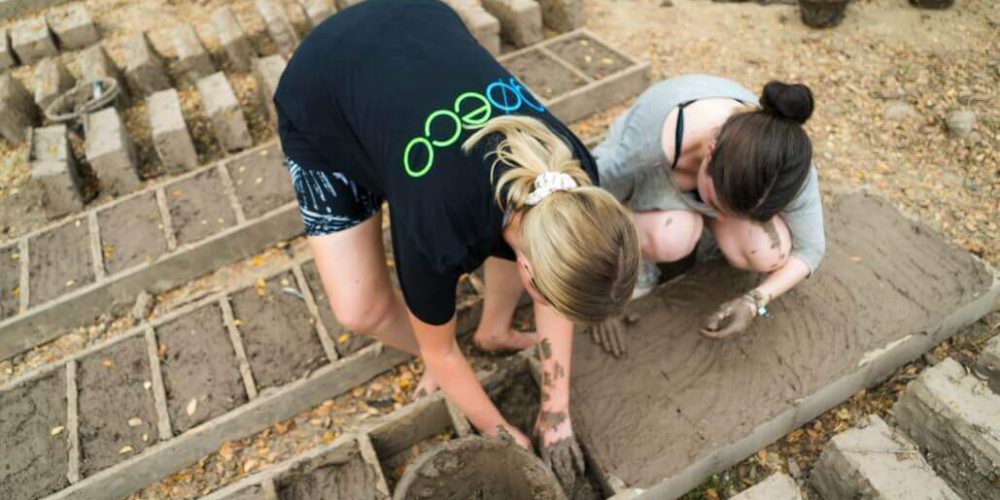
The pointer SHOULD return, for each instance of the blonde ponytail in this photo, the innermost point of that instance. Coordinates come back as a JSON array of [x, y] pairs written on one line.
[[581, 242]]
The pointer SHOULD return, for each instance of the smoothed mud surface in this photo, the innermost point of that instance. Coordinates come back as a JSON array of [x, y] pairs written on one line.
[[590, 56], [351, 480], [10, 281], [60, 261], [199, 207], [261, 181], [33, 447], [131, 233], [544, 76], [345, 341], [676, 396]]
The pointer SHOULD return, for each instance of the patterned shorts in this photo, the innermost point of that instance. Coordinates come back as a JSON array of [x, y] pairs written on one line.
[[330, 201]]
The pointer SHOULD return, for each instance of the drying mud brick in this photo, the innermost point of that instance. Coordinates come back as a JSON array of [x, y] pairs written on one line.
[[73, 28], [51, 79], [18, 111], [590, 56], [563, 15], [543, 74], [277, 307], [345, 341], [520, 20], [777, 486], [144, 68], [279, 28], [54, 167], [956, 418], [10, 281], [59, 261], [117, 413], [111, 152], [32, 40], [198, 207], [988, 362], [267, 71], [234, 40], [200, 369], [261, 181], [33, 437], [680, 398], [876, 461], [484, 27], [317, 10], [131, 233], [223, 109], [352, 479], [95, 64], [7, 59], [171, 137], [193, 61]]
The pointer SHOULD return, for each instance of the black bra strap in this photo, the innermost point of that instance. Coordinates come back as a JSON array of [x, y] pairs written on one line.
[[679, 133]]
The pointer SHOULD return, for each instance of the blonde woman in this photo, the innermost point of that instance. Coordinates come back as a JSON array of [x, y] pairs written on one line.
[[393, 100]]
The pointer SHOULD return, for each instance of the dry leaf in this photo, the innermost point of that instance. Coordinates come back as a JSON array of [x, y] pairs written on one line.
[[145, 437], [57, 430], [125, 449], [106, 363], [762, 457], [857, 259], [226, 451], [328, 437], [147, 385], [343, 338], [261, 286], [249, 465], [258, 261], [192, 407], [134, 422]]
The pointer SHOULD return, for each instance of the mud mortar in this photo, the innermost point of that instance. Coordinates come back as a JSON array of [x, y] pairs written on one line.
[[351, 480]]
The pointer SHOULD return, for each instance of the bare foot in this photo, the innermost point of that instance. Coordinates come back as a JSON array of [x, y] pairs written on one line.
[[425, 387], [510, 341]]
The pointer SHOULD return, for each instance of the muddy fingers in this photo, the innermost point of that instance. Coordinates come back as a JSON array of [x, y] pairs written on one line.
[[610, 335], [566, 461]]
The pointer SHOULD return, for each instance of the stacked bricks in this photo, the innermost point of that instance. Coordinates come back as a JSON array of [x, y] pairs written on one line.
[[171, 138], [223, 110], [96, 64], [238, 49], [111, 152], [776, 487], [51, 79], [520, 20], [193, 61], [18, 110], [73, 28], [956, 418], [278, 26], [32, 40], [316, 10], [563, 15], [55, 168], [876, 461], [267, 71], [989, 363], [484, 27], [144, 69], [7, 59]]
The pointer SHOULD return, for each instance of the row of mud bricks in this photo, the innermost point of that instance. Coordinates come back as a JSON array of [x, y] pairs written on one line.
[[36, 38]]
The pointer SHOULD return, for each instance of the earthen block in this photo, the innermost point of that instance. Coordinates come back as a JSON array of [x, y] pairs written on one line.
[[563, 15], [7, 59], [238, 49], [484, 27], [776, 487], [876, 461], [18, 110], [171, 137], [96, 64], [989, 363], [317, 10], [268, 72], [51, 79], [32, 40], [279, 27], [956, 418], [193, 61], [111, 152], [520, 20], [73, 27], [53, 165], [144, 67], [223, 109]]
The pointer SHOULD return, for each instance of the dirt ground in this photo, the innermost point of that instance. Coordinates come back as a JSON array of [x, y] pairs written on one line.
[[885, 53]]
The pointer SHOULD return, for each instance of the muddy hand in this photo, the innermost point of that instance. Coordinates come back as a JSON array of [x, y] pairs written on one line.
[[610, 335], [566, 461], [731, 318], [511, 434]]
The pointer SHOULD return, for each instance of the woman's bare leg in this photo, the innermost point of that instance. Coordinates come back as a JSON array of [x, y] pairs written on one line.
[[503, 290]]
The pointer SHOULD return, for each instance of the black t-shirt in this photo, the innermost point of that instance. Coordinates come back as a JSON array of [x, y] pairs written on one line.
[[386, 92]]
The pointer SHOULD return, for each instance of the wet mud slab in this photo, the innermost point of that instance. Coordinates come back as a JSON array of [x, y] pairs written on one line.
[[33, 448], [351, 480], [200, 369], [590, 56], [261, 181], [199, 207], [678, 396], [10, 281], [131, 233], [60, 261], [545, 76], [117, 412], [278, 332], [345, 341]]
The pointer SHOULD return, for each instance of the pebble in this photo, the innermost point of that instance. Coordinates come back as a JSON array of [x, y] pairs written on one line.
[[960, 122], [899, 111]]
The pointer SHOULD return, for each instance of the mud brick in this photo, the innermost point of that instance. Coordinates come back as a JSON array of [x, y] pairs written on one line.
[[111, 152], [484, 27], [279, 28], [171, 137], [18, 110], [59, 261], [317, 10], [10, 281], [223, 109], [73, 27], [7, 59], [563, 15], [989, 363], [51, 80], [261, 182], [232, 38], [520, 20], [95, 64], [32, 40], [193, 61], [144, 69], [268, 72], [131, 233], [198, 207], [33, 437], [53, 165]]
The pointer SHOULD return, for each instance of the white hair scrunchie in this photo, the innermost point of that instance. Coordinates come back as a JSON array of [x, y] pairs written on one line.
[[547, 183]]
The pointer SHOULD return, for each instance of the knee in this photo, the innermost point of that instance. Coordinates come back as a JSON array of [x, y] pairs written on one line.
[[676, 239], [362, 314], [768, 248]]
